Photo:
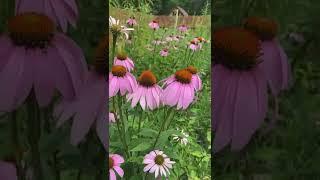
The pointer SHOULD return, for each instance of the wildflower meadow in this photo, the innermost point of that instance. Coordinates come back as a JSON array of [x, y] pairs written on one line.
[[159, 97]]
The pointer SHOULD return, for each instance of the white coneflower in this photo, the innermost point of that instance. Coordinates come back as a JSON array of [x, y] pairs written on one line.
[[117, 29], [183, 138], [158, 163]]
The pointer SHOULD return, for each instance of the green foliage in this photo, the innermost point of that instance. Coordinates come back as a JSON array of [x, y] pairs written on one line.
[[192, 160], [164, 7]]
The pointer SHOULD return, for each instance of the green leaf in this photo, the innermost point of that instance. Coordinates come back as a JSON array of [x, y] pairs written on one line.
[[147, 132], [141, 147]]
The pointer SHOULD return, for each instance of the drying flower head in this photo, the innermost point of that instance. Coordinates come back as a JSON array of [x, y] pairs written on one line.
[[116, 29], [183, 138]]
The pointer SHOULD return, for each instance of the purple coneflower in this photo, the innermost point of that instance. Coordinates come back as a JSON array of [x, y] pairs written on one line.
[[196, 81], [164, 52], [62, 12], [154, 25], [147, 93], [179, 90], [7, 171], [158, 163], [120, 80], [35, 58], [132, 21], [123, 60], [89, 108], [115, 161], [274, 60], [240, 87], [183, 28], [194, 45]]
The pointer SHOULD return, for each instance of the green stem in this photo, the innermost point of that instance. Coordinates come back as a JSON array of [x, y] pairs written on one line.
[[162, 126], [55, 166], [140, 120], [114, 42], [34, 133], [118, 127]]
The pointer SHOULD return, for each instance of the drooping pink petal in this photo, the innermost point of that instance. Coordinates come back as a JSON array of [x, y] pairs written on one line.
[[12, 72], [143, 99], [73, 59], [112, 175], [286, 69], [29, 6], [102, 126], [148, 167], [43, 75], [224, 107], [6, 50], [7, 171], [272, 65], [119, 170], [87, 111], [247, 117]]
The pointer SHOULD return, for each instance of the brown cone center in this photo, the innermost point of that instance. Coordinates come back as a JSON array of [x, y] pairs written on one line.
[[147, 79], [192, 69], [31, 30], [265, 28], [118, 70], [110, 163], [183, 76], [101, 56], [236, 47]]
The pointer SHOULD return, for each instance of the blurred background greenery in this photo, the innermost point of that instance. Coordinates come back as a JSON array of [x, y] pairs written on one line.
[[164, 7], [292, 149]]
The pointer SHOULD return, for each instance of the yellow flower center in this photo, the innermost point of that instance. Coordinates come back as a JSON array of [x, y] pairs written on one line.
[[159, 160]]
